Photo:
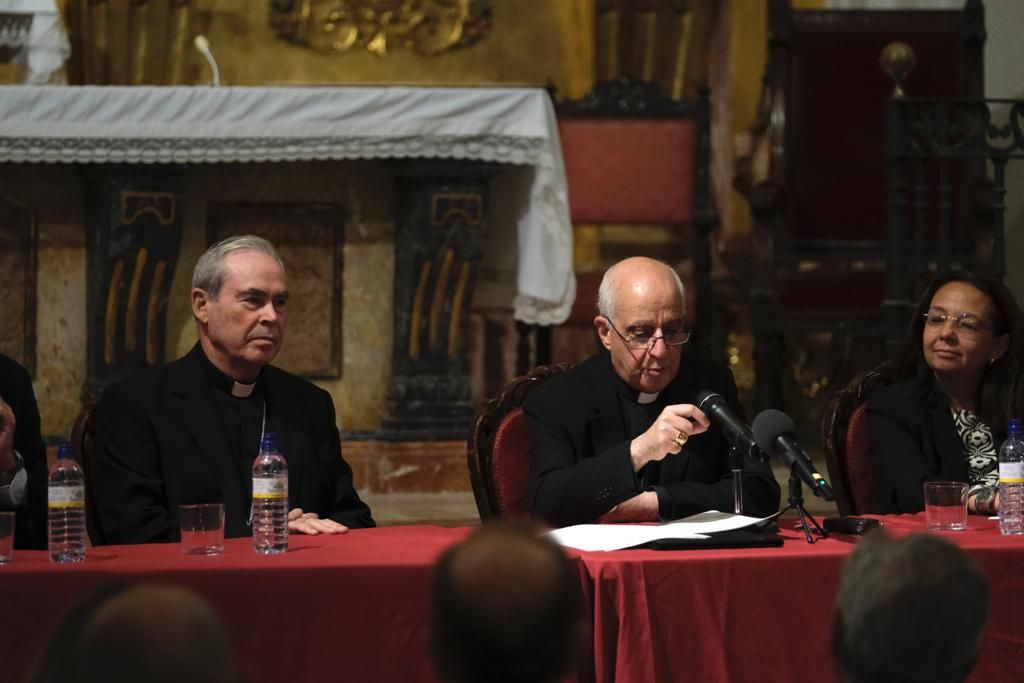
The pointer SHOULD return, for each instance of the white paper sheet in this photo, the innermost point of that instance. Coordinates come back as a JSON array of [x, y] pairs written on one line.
[[619, 536], [714, 521]]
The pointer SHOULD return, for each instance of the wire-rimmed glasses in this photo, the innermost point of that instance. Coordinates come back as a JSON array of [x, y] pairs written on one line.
[[672, 337]]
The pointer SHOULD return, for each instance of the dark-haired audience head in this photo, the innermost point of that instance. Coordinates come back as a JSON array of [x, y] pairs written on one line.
[[152, 633], [978, 344], [506, 608], [908, 611]]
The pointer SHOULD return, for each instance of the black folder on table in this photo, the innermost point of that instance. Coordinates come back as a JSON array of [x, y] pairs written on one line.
[[737, 538]]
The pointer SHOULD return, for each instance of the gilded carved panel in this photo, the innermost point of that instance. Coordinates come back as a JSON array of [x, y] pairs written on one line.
[[427, 27]]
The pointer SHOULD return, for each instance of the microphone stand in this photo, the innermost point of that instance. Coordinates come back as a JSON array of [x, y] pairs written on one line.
[[736, 465], [796, 502]]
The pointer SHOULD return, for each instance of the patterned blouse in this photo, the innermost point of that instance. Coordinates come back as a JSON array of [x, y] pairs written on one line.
[[979, 449]]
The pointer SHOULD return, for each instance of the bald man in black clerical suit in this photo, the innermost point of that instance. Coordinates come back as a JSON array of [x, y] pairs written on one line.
[[617, 438], [188, 432]]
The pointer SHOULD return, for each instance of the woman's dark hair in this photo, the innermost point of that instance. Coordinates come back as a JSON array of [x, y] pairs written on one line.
[[1001, 394]]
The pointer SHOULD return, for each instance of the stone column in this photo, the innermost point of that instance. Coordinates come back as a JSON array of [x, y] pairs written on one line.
[[439, 223], [133, 229]]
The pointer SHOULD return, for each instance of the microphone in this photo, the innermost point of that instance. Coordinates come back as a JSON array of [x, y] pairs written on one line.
[[202, 45], [774, 431], [735, 430]]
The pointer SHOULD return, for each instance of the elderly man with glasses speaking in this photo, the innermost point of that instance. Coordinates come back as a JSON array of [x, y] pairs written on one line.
[[618, 438]]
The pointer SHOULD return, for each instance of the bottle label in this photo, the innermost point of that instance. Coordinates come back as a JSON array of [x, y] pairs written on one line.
[[66, 497], [269, 488], [1011, 473]]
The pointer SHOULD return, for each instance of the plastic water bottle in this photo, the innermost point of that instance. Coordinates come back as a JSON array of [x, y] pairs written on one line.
[[269, 499], [66, 503], [1011, 480]]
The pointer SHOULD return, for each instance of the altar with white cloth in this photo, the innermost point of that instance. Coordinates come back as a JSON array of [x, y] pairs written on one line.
[[471, 127], [154, 125]]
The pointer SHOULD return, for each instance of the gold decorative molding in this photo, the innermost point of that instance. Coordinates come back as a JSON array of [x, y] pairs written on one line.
[[134, 291], [898, 60], [136, 204], [445, 206], [417, 309], [429, 27], [440, 290], [110, 318]]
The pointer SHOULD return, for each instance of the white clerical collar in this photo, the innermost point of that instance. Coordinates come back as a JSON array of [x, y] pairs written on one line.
[[644, 398], [239, 390]]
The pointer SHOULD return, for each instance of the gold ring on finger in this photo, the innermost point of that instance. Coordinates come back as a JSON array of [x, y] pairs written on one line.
[[681, 438]]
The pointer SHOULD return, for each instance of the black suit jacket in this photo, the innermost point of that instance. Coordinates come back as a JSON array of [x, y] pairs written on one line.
[[160, 444], [913, 440], [16, 390], [581, 467]]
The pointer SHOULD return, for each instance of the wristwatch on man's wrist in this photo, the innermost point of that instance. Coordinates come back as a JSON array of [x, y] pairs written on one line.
[[6, 476]]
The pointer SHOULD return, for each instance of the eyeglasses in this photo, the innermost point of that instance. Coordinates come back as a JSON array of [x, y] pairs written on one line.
[[964, 323], [672, 337]]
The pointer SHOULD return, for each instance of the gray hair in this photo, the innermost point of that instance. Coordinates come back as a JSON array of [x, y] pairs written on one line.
[[909, 611], [606, 292], [209, 273]]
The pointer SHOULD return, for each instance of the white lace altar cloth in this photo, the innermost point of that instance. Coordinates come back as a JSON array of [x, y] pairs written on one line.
[[93, 124]]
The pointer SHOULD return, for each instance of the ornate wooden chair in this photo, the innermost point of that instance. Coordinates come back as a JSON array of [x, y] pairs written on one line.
[[816, 175], [500, 448], [83, 440], [634, 156], [847, 443]]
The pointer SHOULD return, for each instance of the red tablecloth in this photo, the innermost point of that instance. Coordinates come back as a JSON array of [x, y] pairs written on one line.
[[351, 607], [355, 607], [765, 614]]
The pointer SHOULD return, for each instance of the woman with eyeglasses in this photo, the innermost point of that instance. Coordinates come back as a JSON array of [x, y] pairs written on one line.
[[958, 384]]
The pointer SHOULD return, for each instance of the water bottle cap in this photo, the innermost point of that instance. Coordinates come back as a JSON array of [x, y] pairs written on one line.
[[65, 451], [269, 443], [1015, 428]]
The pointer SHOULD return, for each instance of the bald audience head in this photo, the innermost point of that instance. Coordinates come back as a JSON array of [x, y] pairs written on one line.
[[506, 608], [908, 611], [153, 633]]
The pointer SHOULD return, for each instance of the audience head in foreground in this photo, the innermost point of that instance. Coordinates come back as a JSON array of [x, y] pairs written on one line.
[[153, 633], [506, 608], [618, 438], [908, 611]]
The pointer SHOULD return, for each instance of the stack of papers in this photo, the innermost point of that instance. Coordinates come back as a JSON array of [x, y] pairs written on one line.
[[618, 536]]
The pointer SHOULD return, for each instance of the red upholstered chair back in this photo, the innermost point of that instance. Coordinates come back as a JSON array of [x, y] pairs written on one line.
[[83, 441], [859, 470], [848, 443], [635, 156], [510, 466], [500, 449], [624, 170]]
